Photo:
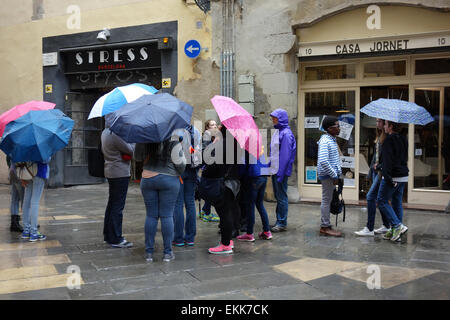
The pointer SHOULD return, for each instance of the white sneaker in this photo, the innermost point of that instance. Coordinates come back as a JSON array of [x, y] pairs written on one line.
[[365, 233], [381, 230]]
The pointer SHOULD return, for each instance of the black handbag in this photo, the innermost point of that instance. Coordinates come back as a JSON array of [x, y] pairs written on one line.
[[337, 205], [96, 162], [211, 189]]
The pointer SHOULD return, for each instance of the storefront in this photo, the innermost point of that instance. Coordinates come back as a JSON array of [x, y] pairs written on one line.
[[344, 65], [79, 68]]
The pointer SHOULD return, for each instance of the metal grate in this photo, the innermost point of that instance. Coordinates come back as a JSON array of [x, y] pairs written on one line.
[[204, 5]]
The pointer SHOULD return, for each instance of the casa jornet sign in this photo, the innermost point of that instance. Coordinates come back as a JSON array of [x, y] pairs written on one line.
[[374, 45], [111, 58]]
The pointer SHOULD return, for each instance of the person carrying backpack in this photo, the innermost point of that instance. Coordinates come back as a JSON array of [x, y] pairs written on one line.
[[185, 230]]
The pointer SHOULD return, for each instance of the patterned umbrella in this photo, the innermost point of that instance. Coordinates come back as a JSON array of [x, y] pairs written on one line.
[[119, 97], [398, 111]]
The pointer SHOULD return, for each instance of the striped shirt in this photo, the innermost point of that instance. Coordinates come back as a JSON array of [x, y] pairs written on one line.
[[328, 161]]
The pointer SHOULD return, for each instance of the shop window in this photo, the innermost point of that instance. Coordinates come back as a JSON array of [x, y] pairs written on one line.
[[432, 66], [385, 69], [342, 105], [344, 71], [432, 142]]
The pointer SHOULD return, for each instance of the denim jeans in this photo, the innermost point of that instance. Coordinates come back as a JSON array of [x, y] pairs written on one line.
[[372, 203], [387, 191], [160, 195], [257, 189], [17, 194], [112, 228], [280, 192], [186, 197], [31, 199]]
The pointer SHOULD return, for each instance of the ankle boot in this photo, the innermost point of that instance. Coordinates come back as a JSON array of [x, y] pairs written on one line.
[[15, 225]]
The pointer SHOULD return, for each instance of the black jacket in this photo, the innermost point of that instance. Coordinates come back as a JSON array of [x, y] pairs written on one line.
[[394, 153]]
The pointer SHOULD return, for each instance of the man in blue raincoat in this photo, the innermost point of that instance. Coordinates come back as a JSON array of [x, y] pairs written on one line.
[[283, 148]]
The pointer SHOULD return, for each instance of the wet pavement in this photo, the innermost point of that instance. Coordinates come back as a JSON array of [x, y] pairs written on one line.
[[75, 263]]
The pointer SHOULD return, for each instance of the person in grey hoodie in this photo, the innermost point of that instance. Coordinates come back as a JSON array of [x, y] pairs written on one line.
[[118, 156]]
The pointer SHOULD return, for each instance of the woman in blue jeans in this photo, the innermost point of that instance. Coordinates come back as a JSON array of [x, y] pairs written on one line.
[[375, 177], [394, 153], [258, 181], [160, 185], [32, 196]]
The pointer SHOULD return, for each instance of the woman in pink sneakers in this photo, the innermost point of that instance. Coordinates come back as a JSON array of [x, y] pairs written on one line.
[[228, 175], [257, 174]]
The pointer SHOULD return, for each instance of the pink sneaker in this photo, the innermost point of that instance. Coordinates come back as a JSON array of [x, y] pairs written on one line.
[[221, 249], [246, 237], [266, 235]]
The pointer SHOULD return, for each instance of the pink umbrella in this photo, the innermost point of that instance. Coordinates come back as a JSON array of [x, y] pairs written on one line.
[[21, 109], [239, 123]]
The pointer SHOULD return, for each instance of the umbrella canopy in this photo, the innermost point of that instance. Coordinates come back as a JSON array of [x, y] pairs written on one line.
[[20, 110], [151, 118], [119, 97], [398, 111], [37, 135], [239, 123]]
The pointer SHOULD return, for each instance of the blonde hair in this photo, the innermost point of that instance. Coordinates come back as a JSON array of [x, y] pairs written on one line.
[[381, 135]]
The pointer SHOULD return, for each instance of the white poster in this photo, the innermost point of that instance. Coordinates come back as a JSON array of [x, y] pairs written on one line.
[[349, 182], [346, 130], [312, 122], [348, 162]]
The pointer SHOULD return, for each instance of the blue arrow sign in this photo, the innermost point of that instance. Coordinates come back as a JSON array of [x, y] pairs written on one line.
[[192, 48]]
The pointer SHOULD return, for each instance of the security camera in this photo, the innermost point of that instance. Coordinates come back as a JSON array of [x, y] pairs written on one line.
[[103, 35]]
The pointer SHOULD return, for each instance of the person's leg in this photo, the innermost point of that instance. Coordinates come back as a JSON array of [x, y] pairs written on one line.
[[372, 202], [282, 203], [189, 200], [14, 206], [253, 193], [38, 188], [397, 200], [226, 217], [151, 199], [168, 187], [26, 216], [118, 195], [259, 202], [384, 194], [178, 217], [275, 194], [327, 195]]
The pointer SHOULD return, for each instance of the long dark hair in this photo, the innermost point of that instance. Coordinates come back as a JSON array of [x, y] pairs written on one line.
[[158, 151]]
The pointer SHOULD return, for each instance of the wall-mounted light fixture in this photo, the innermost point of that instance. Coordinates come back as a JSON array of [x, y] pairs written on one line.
[[104, 35]]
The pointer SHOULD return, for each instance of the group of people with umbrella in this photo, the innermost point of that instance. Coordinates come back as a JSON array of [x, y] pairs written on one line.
[[154, 128]]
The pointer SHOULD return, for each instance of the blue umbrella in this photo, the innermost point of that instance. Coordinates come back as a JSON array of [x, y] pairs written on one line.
[[151, 118], [37, 135], [398, 111]]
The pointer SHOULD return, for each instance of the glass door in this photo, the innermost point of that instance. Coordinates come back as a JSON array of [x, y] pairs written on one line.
[[432, 142]]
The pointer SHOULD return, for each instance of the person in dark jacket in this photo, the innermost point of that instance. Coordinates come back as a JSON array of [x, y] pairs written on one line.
[[228, 207], [394, 153], [283, 148], [17, 193]]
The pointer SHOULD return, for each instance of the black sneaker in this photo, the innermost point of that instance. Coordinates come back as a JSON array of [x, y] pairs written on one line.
[[168, 257]]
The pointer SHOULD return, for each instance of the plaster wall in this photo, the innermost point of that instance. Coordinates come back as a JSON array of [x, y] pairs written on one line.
[[21, 50]]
